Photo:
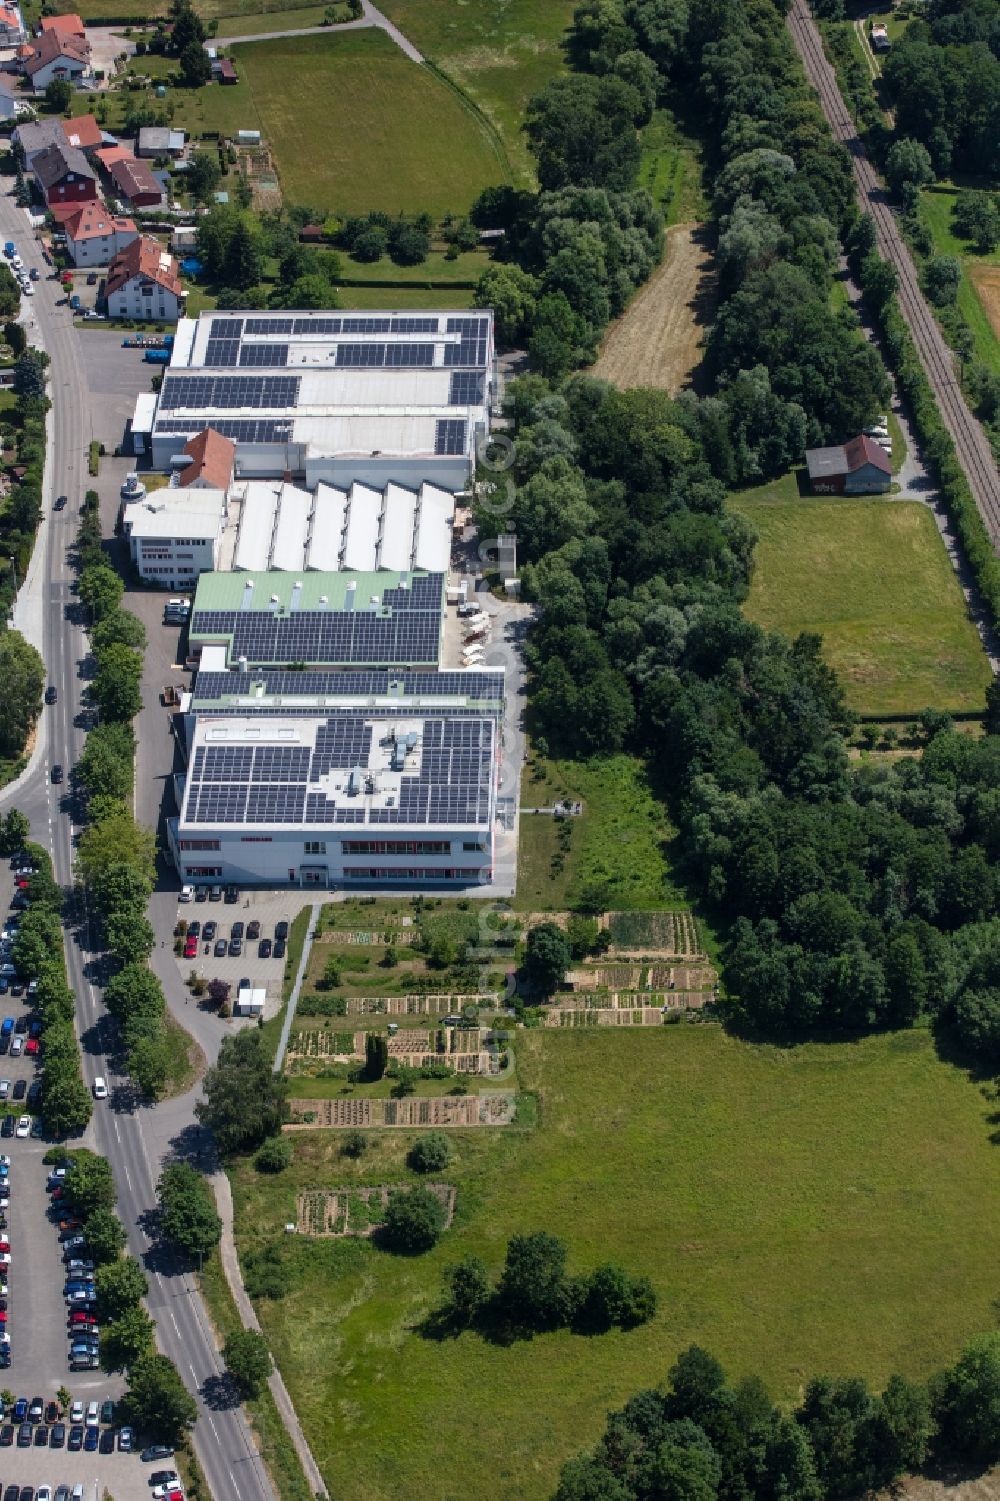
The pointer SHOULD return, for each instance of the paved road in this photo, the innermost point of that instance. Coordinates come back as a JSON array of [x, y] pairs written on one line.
[[371, 17], [972, 446], [134, 1140]]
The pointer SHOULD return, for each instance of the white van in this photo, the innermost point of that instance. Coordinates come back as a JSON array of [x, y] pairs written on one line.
[[100, 1088], [187, 894]]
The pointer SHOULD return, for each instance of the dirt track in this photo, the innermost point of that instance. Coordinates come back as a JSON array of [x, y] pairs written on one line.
[[657, 340]]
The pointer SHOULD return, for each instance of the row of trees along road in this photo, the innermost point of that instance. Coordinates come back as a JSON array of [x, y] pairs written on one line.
[[116, 855]]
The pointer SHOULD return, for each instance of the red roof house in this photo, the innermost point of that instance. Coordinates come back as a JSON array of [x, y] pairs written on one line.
[[212, 460], [860, 467]]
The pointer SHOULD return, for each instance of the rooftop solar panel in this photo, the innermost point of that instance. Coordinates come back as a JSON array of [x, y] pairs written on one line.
[[225, 328], [222, 353], [228, 391], [466, 388], [241, 429], [269, 325], [264, 354], [449, 436]]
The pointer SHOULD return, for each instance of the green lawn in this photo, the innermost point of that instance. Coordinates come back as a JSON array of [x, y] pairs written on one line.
[[621, 838], [670, 170], [467, 267], [215, 108], [799, 1211], [499, 52], [364, 128], [935, 213], [872, 577], [272, 18], [401, 299]]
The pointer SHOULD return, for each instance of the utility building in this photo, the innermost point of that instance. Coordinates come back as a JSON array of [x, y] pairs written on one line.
[[334, 398], [861, 467]]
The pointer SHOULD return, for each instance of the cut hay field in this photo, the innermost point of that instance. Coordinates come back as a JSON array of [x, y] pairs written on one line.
[[872, 578], [799, 1211], [657, 340], [499, 52], [365, 128]]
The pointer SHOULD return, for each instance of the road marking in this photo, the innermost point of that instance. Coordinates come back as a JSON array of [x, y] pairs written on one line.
[[194, 1373], [118, 1134], [215, 1430], [175, 1324], [128, 1180]]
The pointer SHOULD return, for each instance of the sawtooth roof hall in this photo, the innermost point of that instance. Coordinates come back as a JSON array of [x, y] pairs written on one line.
[[334, 398]]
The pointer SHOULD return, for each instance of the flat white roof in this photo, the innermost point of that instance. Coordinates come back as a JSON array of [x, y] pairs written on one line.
[[145, 412], [173, 512]]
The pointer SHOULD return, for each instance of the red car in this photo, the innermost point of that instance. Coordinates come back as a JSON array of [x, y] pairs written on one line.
[[79, 1319], [22, 883], [31, 1047], [191, 949]]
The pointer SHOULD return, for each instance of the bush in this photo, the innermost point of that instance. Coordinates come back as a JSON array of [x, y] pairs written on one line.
[[413, 1221], [354, 1144], [274, 1156], [430, 1153]]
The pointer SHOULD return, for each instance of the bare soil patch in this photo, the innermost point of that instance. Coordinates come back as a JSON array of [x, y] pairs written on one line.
[[986, 280], [657, 340], [355, 1210]]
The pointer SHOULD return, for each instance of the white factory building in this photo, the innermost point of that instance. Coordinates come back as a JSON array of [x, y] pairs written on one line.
[[335, 399], [174, 535]]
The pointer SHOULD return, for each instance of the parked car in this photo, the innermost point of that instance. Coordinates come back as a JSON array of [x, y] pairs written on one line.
[[221, 948], [36, 1409], [253, 930], [20, 1089], [235, 948], [125, 1440], [75, 1438], [278, 952], [107, 1440], [92, 1440], [76, 1412], [163, 1477], [107, 1411], [236, 931], [264, 949], [232, 895], [281, 930], [24, 1436], [194, 929], [57, 1438], [155, 1451]]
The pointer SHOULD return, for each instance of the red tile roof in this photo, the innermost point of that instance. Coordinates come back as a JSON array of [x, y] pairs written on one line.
[[144, 257], [91, 221], [108, 155], [212, 458], [66, 25], [861, 451], [83, 131], [53, 45]]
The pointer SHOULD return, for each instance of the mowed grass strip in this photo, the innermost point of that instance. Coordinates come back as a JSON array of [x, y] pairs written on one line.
[[799, 1211], [873, 579], [365, 128], [499, 52]]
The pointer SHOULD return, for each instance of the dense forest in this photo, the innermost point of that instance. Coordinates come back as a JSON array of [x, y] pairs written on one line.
[[702, 1439], [943, 81], [854, 897]]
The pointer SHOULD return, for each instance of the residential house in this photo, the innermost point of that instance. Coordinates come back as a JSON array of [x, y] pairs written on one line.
[[94, 235], [12, 31], [160, 140], [36, 135], [134, 182], [860, 467], [56, 56], [143, 282], [64, 175], [213, 459], [70, 26], [11, 105], [226, 71], [83, 132]]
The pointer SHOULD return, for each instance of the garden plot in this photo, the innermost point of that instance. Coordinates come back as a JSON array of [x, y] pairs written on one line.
[[419, 1005], [467, 1050], [336, 1212], [624, 1009], [496, 1108], [668, 934]]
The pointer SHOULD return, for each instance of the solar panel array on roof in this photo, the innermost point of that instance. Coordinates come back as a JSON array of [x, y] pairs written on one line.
[[264, 354], [240, 429], [225, 328], [269, 325], [449, 436], [317, 636], [229, 391], [213, 686], [222, 353], [450, 783], [466, 388], [393, 356]]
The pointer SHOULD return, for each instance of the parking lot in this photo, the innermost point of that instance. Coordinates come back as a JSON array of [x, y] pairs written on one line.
[[124, 1476], [268, 908]]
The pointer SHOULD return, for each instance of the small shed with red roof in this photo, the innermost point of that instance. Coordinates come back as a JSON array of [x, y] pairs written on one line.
[[860, 467]]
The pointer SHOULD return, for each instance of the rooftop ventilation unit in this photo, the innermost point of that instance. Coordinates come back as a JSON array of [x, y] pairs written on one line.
[[246, 603], [296, 595], [355, 782]]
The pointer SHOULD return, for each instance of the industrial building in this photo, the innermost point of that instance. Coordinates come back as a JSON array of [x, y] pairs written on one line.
[[331, 399], [174, 535], [299, 774], [320, 620]]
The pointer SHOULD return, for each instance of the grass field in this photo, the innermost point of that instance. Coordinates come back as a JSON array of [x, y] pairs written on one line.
[[799, 1211], [402, 298], [213, 108], [621, 838], [670, 170], [467, 267], [499, 52], [255, 20], [935, 212], [872, 577], [364, 128]]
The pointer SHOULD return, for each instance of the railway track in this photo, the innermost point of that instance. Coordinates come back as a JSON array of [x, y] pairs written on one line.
[[971, 444]]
